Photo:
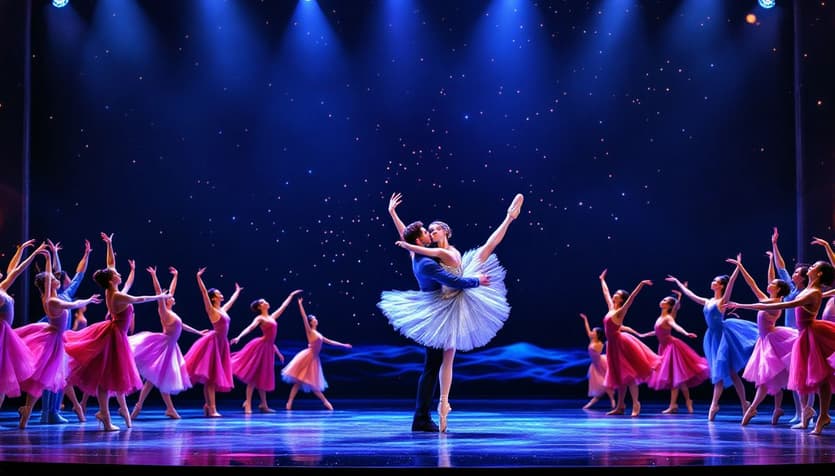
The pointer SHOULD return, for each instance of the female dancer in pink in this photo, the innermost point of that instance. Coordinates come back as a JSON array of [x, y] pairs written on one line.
[[16, 360], [102, 361], [209, 360], [681, 367], [305, 369], [812, 366], [255, 363], [768, 367], [630, 361], [158, 357], [46, 342], [598, 366]]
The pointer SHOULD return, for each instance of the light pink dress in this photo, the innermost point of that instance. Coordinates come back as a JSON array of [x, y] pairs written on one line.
[[771, 359], [45, 341], [159, 359], [254, 364], [680, 364], [597, 370], [209, 360], [101, 357], [306, 368]]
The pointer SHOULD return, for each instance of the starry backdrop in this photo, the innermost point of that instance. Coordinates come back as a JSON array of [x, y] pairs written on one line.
[[263, 140]]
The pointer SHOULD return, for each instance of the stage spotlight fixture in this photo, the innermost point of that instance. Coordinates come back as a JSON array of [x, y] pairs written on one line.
[[767, 3], [60, 3]]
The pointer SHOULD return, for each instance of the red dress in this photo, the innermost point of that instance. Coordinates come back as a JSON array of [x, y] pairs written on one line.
[[254, 364], [630, 360]]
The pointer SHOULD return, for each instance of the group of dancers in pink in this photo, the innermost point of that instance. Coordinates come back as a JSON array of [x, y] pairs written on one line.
[[798, 356], [106, 359]]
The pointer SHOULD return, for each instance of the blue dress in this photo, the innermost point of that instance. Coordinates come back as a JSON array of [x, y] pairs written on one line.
[[728, 343]]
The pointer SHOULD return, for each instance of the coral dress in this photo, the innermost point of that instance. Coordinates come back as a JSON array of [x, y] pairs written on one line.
[[812, 363], [45, 341], [159, 359], [597, 370], [254, 364], [209, 359], [306, 368], [16, 360], [728, 343], [630, 360], [101, 357], [771, 358], [461, 319], [680, 364]]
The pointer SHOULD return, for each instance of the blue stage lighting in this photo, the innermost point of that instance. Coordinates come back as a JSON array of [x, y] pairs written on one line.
[[60, 3], [767, 3]]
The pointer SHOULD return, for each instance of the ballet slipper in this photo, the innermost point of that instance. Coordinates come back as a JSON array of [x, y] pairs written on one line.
[[515, 207]]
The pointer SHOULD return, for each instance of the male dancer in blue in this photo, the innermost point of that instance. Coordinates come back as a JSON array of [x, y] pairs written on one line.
[[51, 401], [430, 277]]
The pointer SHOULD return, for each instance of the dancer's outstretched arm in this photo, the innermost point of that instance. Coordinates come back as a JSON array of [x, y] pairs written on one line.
[[761, 296]]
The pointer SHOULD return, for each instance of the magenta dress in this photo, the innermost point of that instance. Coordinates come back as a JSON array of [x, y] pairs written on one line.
[[209, 361], [770, 362], [680, 364], [597, 371], [306, 368], [630, 360], [101, 357], [159, 359], [16, 360], [812, 363], [45, 341], [254, 364]]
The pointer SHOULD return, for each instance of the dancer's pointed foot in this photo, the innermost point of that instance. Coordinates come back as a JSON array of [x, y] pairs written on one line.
[[821, 423], [711, 414], [211, 412], [689, 404], [80, 413], [636, 409], [616, 411], [125, 416], [289, 405], [266, 409], [804, 419], [515, 207], [748, 415], [591, 403], [443, 411], [24, 413], [106, 426], [136, 409], [670, 409], [328, 405], [172, 413], [247, 407], [778, 412]]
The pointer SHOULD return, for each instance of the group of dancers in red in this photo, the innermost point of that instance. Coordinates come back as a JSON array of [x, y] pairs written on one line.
[[798, 356], [107, 359]]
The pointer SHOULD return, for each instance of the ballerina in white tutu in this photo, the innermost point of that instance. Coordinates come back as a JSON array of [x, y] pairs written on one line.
[[452, 319]]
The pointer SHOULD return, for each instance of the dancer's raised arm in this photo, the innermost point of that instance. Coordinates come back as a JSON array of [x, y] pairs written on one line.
[[761, 296], [232, 299], [607, 296], [395, 200], [686, 290]]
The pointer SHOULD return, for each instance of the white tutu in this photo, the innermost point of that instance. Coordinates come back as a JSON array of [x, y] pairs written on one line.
[[452, 319]]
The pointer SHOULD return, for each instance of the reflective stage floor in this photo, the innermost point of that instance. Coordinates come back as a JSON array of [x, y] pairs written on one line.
[[370, 435]]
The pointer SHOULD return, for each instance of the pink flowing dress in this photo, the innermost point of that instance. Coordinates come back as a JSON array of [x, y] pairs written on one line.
[[101, 357], [45, 341], [254, 364], [16, 360], [597, 370], [770, 362], [680, 364], [630, 360], [209, 360]]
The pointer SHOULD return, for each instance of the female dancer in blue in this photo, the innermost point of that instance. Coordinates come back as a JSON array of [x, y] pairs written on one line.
[[728, 343]]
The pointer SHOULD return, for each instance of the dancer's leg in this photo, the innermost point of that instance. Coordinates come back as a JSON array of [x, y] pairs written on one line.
[[498, 234]]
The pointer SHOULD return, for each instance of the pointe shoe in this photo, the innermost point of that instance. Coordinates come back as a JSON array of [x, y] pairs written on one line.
[[136, 409], [804, 420], [125, 416], [288, 406], [247, 407], [443, 411], [79, 411], [24, 413], [749, 415], [206, 409], [616, 411], [636, 409], [266, 409], [778, 412], [689, 404], [711, 414], [670, 409], [106, 426], [171, 413], [821, 423], [211, 412], [589, 404], [515, 207], [328, 405]]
